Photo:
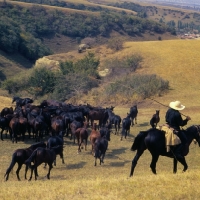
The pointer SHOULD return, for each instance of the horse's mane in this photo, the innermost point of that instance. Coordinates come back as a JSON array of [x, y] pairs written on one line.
[[141, 135]]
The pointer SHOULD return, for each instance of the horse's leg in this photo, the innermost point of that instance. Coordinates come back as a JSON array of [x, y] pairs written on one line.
[[18, 169], [2, 134], [26, 169], [35, 172], [79, 144], [50, 167], [13, 137], [153, 162], [74, 137], [32, 167], [85, 144], [179, 157], [175, 165], [118, 126], [182, 160], [102, 158], [126, 133], [132, 121], [135, 160], [95, 161], [54, 162], [62, 157], [135, 120], [115, 128]]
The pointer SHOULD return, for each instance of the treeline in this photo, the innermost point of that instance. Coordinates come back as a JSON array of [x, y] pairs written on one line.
[[74, 79], [64, 4], [22, 28]]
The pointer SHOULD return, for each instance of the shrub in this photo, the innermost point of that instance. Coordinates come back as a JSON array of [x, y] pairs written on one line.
[[115, 44], [143, 86]]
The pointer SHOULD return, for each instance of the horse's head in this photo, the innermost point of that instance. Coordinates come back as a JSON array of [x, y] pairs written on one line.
[[198, 134], [194, 133], [14, 99]]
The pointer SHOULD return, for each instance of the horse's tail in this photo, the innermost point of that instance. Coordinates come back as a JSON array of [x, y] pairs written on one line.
[[139, 138], [12, 164], [31, 158]]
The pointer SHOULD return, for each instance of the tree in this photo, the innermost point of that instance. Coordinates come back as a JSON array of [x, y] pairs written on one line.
[[41, 81]]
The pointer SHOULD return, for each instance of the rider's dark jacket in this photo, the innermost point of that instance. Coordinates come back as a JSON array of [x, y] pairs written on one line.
[[174, 119]]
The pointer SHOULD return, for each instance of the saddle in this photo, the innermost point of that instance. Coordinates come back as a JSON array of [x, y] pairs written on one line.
[[171, 139]]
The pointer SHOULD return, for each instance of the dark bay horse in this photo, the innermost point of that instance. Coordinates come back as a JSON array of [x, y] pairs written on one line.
[[43, 155], [154, 141], [19, 157], [126, 124], [56, 141], [101, 145], [133, 114]]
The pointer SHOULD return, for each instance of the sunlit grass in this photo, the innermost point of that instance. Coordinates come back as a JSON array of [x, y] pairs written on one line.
[[78, 178]]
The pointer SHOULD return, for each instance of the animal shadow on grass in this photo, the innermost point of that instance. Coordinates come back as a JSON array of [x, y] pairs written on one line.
[[118, 164], [76, 166], [115, 152], [115, 155], [144, 124]]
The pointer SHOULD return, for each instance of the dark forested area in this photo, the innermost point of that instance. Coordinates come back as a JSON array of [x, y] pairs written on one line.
[[22, 28]]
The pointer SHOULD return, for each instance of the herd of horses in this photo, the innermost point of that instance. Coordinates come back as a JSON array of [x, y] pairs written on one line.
[[55, 120]]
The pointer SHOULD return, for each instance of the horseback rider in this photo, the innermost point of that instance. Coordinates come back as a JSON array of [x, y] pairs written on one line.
[[175, 121]]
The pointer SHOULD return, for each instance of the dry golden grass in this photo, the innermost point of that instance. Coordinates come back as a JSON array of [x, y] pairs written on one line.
[[79, 179], [177, 61]]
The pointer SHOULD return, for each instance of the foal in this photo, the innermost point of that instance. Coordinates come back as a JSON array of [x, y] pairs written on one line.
[[155, 119]]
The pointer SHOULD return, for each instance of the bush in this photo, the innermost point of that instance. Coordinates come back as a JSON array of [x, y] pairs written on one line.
[[115, 44], [143, 86]]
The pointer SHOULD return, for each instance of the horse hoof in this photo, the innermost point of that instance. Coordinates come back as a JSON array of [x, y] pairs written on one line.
[[153, 170]]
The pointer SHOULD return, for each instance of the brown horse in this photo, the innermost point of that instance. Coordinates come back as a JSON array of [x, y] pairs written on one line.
[[101, 115], [94, 135], [57, 125], [81, 135], [14, 128]]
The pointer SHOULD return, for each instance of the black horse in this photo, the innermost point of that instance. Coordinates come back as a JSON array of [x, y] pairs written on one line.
[[19, 156], [126, 124], [21, 102], [133, 114], [55, 141], [154, 141], [42, 155], [101, 145]]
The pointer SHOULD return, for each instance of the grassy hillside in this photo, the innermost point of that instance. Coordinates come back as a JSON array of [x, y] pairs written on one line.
[[174, 60]]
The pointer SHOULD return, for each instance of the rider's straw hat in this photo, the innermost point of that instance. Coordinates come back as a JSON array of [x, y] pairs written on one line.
[[176, 105]]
